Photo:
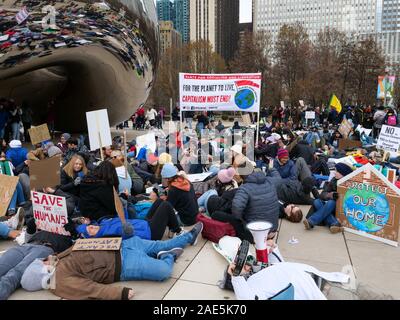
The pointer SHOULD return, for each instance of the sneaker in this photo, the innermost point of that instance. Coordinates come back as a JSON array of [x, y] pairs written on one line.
[[197, 229], [21, 238], [176, 252], [17, 220], [336, 229], [307, 224]]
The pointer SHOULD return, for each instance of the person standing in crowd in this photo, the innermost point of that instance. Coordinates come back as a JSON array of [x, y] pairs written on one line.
[[151, 115], [181, 194], [325, 206], [189, 115], [202, 122], [176, 118], [15, 122], [27, 114], [379, 120], [4, 116]]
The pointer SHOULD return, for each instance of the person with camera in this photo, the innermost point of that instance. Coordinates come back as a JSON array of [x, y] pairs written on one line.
[[325, 206]]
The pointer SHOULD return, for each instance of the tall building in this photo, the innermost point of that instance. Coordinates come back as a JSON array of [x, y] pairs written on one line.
[[378, 18], [169, 37], [176, 11], [218, 22]]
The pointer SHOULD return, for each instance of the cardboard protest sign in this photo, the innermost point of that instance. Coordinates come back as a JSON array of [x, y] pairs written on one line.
[[220, 92], [345, 128], [99, 244], [389, 139], [98, 129], [310, 114], [7, 188], [346, 144], [50, 212], [45, 173], [39, 134], [369, 205], [148, 141]]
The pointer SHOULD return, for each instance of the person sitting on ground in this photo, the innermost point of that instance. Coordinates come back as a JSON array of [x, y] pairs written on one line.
[[325, 207], [37, 154], [16, 154], [63, 142], [180, 194], [72, 150], [87, 274], [160, 216], [96, 192], [72, 175], [285, 167], [13, 263]]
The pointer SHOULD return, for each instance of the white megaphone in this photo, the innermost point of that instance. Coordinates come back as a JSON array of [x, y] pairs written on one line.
[[260, 230]]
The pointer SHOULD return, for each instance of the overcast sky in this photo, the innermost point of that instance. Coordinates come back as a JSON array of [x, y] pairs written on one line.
[[245, 10]]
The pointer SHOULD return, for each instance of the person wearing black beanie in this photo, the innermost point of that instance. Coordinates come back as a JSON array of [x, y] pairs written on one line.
[[324, 208]]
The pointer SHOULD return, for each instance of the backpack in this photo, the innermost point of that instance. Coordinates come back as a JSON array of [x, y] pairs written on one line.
[[214, 230], [391, 121]]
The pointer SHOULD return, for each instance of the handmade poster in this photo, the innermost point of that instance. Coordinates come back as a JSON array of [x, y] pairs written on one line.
[[345, 128], [50, 212], [362, 130], [148, 141], [98, 129], [389, 139], [346, 144], [45, 173], [98, 244], [369, 205], [7, 189], [39, 134], [385, 83], [220, 92], [310, 114]]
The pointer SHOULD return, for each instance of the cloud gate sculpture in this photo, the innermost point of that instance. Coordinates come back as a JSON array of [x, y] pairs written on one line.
[[83, 55]]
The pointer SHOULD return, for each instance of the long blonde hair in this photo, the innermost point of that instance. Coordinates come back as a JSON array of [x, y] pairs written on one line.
[[69, 167]]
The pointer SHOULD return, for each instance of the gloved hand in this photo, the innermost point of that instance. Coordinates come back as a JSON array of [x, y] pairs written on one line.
[[77, 181]]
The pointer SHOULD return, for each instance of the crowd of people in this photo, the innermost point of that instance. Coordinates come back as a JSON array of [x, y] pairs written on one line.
[[295, 163]]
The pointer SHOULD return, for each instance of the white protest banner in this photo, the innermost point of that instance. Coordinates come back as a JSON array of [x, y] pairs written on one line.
[[98, 129], [389, 139], [301, 103], [146, 140], [50, 212], [198, 177], [362, 130], [220, 92], [310, 115], [283, 104]]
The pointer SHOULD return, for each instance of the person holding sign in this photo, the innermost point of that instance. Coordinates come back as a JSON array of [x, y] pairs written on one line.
[[86, 274], [72, 175]]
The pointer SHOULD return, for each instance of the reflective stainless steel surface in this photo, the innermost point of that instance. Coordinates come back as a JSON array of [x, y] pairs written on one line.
[[97, 55]]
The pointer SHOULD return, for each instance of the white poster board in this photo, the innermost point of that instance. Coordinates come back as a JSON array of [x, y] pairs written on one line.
[[362, 130], [220, 92], [301, 103], [283, 104], [198, 177], [147, 140], [98, 129], [310, 114], [389, 139], [50, 212]]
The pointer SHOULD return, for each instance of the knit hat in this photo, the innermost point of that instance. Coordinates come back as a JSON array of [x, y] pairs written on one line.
[[66, 136], [36, 276], [164, 158], [343, 169], [226, 175], [152, 159], [53, 151], [15, 144], [283, 153], [169, 171], [237, 148]]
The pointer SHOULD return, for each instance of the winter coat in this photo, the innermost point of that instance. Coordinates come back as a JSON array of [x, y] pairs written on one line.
[[182, 197], [221, 203], [257, 199], [379, 118], [67, 184], [287, 171], [291, 192], [87, 274], [97, 199], [113, 228], [16, 155], [57, 242], [303, 150]]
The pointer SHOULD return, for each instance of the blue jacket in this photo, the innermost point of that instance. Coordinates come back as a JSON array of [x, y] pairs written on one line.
[[113, 227], [16, 155], [287, 171]]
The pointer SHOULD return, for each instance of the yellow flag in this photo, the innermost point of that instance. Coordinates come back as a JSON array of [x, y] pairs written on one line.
[[335, 103]]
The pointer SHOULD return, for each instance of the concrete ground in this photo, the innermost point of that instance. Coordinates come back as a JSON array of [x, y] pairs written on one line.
[[196, 273]]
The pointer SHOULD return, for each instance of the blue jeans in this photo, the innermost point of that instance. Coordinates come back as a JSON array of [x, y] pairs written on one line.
[[189, 122], [18, 197], [321, 177], [203, 200], [4, 231], [14, 262], [139, 260], [15, 130], [325, 213]]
